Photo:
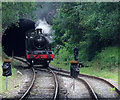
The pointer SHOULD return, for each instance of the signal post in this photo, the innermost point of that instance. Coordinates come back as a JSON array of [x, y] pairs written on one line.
[[74, 71], [6, 70]]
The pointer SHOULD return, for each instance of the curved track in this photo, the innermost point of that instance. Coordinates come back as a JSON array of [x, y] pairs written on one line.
[[87, 85], [54, 77], [89, 81], [99, 83], [31, 83], [30, 86], [56, 84]]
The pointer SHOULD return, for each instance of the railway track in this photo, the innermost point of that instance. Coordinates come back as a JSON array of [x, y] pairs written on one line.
[[34, 83], [25, 92], [97, 84], [30, 86], [46, 85], [56, 84], [94, 84], [88, 88]]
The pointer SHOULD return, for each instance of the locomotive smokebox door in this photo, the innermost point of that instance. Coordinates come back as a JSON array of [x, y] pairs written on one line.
[[7, 68], [74, 69]]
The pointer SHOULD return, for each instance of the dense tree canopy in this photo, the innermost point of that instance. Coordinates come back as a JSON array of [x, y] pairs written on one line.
[[91, 26], [12, 11]]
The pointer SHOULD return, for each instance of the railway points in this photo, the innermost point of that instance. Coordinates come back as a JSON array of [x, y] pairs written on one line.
[[88, 83]]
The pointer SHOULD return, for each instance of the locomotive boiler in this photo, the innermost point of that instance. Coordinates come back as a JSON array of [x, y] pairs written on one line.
[[38, 48]]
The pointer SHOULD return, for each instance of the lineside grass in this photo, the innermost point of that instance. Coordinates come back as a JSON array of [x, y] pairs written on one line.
[[3, 79], [94, 71], [104, 64], [10, 78]]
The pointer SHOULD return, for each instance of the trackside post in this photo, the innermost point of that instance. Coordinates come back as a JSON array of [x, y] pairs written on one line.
[[6, 70], [74, 71]]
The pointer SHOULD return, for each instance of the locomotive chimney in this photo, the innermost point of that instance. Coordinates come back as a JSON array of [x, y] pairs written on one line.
[[39, 31]]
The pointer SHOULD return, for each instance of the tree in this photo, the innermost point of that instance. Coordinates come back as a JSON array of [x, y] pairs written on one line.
[[89, 25], [13, 11]]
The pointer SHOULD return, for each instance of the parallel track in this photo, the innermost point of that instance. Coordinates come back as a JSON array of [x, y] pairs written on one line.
[[81, 77], [91, 91], [90, 77], [56, 84], [33, 80], [30, 86]]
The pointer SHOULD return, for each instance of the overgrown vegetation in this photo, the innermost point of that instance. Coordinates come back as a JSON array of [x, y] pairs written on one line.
[[90, 26], [10, 78], [104, 64], [3, 78], [94, 29], [13, 11]]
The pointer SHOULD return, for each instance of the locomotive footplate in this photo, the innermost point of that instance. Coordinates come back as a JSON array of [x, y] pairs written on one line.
[[43, 56]]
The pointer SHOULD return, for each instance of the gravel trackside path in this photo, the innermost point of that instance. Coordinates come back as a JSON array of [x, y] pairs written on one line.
[[102, 89], [18, 83], [80, 90]]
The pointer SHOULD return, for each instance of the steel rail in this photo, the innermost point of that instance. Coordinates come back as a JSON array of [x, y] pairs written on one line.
[[90, 76], [56, 84], [55, 80], [31, 85], [33, 79], [91, 91], [21, 59]]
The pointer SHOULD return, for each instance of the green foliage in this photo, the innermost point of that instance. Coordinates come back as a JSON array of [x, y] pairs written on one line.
[[90, 26], [12, 11], [105, 63], [63, 55], [106, 73], [108, 58], [62, 58]]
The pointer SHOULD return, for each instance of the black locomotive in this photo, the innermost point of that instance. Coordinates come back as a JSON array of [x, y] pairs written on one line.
[[38, 48]]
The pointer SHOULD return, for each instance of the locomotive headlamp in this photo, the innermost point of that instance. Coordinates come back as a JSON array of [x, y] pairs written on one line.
[[31, 37]]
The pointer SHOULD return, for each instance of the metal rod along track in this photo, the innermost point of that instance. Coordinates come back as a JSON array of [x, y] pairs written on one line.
[[91, 91], [89, 76], [31, 85], [56, 84], [33, 79]]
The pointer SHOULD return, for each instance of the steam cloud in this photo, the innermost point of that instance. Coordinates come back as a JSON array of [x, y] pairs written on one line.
[[45, 27]]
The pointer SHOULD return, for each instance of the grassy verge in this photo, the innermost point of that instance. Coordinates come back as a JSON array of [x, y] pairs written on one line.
[[10, 78], [104, 64], [106, 73], [113, 74], [3, 79]]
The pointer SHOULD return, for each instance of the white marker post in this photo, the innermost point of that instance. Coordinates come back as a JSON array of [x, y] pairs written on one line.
[[73, 83], [6, 83]]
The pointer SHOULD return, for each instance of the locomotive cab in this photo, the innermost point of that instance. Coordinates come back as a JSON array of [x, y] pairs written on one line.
[[38, 50]]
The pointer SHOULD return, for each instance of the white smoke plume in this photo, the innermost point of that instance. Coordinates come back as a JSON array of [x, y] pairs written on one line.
[[45, 27]]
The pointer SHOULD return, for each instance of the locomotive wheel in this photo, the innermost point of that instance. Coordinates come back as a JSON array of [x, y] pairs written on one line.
[[46, 65]]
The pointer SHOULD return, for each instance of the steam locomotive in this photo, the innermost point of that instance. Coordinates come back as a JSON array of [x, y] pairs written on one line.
[[38, 48]]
